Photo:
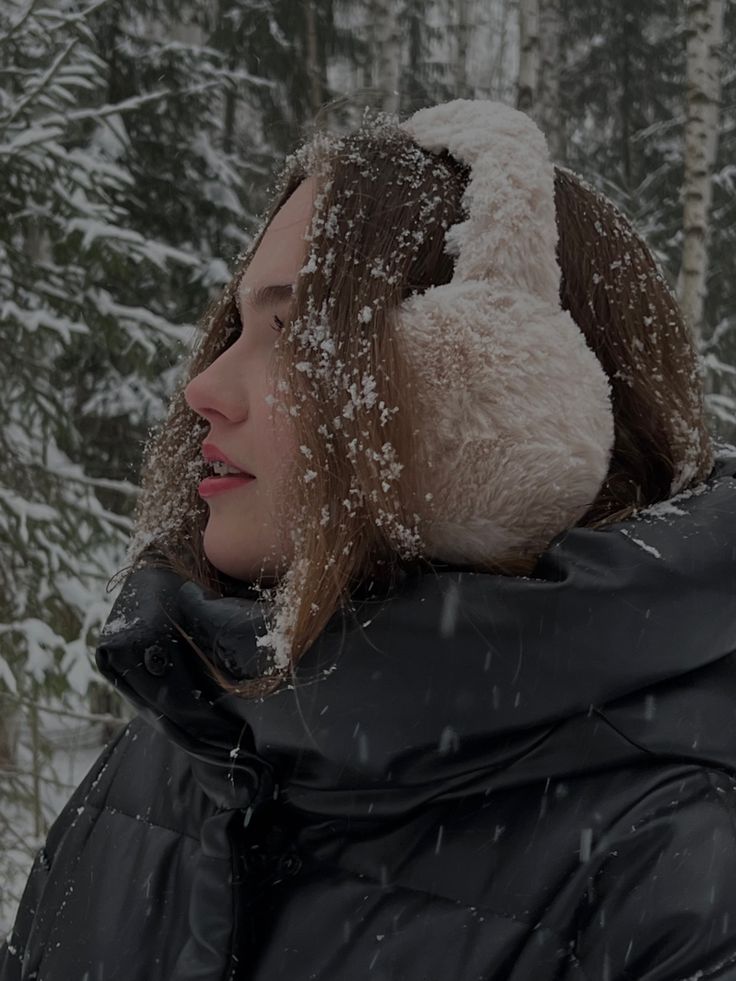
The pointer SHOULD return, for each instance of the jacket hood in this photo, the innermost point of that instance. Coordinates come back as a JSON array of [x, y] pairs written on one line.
[[619, 646]]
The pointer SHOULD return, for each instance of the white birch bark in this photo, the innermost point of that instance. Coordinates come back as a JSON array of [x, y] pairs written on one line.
[[704, 42], [547, 110], [529, 55]]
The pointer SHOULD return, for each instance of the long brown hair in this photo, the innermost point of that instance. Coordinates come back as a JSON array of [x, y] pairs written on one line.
[[385, 205]]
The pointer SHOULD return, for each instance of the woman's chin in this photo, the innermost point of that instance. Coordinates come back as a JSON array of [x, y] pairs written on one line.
[[241, 562], [222, 551]]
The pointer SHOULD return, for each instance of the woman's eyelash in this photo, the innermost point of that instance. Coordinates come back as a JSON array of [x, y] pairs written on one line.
[[236, 324]]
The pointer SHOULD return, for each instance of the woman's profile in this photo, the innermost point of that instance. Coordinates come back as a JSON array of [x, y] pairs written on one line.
[[430, 628]]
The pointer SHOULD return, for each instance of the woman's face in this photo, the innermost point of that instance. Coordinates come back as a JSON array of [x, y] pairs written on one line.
[[242, 534]]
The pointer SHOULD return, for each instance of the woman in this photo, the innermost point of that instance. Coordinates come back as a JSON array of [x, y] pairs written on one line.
[[434, 670]]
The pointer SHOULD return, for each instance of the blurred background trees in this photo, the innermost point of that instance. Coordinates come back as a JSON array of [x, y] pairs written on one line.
[[138, 143]]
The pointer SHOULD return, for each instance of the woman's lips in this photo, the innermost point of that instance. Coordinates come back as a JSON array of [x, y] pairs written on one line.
[[218, 485], [211, 453]]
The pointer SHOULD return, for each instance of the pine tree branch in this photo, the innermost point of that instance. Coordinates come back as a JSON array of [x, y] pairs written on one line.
[[23, 18], [43, 82], [38, 134]]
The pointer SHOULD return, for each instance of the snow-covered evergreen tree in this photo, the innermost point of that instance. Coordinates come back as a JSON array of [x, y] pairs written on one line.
[[292, 48], [59, 541], [623, 99], [719, 313], [122, 211]]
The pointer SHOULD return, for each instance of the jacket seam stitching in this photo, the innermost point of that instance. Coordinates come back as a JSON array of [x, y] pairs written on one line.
[[437, 895], [140, 820]]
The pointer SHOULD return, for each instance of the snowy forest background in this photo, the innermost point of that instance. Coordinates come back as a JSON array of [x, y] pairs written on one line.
[[138, 143]]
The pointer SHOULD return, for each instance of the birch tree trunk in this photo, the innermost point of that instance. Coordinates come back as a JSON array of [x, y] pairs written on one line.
[[547, 113], [529, 55], [704, 42], [387, 52]]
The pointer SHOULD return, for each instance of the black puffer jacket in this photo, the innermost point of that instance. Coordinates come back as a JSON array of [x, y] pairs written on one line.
[[478, 777]]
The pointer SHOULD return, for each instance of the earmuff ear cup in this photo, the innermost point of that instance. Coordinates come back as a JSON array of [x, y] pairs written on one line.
[[514, 418], [514, 414]]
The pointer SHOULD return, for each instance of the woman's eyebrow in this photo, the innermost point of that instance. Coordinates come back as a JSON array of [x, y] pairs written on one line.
[[267, 296]]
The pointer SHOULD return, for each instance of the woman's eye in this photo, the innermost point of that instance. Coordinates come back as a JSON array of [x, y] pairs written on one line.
[[235, 326]]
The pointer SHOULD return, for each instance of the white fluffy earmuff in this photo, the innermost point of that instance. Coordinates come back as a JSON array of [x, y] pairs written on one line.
[[517, 422]]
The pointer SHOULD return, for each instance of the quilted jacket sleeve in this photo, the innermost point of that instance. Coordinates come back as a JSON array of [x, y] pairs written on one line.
[[12, 952], [662, 904]]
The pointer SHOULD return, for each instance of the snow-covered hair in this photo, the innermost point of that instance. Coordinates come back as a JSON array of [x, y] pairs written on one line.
[[586, 404]]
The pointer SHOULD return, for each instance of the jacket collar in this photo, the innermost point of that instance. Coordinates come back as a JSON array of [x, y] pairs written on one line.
[[461, 676]]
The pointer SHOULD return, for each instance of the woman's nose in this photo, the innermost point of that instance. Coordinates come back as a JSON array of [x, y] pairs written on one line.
[[218, 391]]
